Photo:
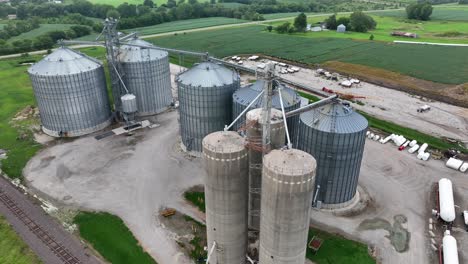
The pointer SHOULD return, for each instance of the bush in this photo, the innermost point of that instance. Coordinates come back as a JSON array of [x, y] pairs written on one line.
[[284, 28], [419, 11], [269, 28], [361, 22], [371, 37]]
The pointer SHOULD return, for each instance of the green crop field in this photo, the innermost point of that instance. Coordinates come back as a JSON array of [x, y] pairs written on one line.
[[177, 26], [13, 250], [186, 25], [413, 60], [44, 28], [109, 235], [338, 250]]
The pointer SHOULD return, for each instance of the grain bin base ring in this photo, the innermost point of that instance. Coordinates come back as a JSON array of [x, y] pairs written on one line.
[[77, 133]]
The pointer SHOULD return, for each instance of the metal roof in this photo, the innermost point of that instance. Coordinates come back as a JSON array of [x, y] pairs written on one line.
[[64, 61], [208, 74], [345, 118], [246, 94], [138, 54]]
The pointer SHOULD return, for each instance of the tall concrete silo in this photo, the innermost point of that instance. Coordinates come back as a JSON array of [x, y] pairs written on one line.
[[245, 95], [71, 93], [254, 139], [287, 191], [146, 74], [335, 135], [226, 192], [205, 101]]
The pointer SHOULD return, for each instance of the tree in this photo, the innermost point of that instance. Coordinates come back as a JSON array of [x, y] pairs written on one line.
[[419, 11], [344, 21], [300, 22], [113, 13], [214, 2], [148, 3], [463, 2], [43, 42], [361, 22], [269, 28], [371, 37], [331, 22], [127, 10], [284, 28]]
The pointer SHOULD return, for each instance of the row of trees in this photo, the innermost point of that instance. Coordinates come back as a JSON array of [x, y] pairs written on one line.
[[357, 21], [419, 11], [15, 28], [45, 41]]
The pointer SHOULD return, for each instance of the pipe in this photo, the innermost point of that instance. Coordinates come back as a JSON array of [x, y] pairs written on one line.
[[284, 118], [249, 259], [226, 128], [312, 106], [211, 252], [120, 78]]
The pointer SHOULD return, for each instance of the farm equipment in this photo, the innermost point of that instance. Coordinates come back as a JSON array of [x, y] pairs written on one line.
[[325, 89], [168, 212]]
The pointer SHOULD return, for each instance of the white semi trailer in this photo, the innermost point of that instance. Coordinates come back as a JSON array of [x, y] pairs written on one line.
[[449, 249]]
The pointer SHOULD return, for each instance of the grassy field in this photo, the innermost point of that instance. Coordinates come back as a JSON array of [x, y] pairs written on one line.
[[412, 60], [15, 94], [44, 28], [111, 238], [446, 12], [336, 249], [428, 31], [13, 250]]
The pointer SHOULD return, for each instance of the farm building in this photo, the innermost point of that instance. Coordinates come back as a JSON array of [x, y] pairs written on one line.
[[341, 28]]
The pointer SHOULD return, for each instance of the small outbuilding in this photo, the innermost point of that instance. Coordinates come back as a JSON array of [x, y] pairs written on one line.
[[341, 28]]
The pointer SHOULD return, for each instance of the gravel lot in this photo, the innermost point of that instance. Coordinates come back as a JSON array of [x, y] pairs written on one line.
[[392, 105], [134, 176]]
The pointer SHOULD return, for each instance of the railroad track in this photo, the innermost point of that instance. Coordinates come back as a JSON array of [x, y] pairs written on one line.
[[59, 250]]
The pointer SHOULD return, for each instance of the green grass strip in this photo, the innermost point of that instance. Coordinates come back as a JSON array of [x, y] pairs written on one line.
[[196, 198], [109, 235], [336, 249]]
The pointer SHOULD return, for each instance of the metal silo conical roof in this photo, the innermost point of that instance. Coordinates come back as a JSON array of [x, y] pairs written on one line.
[[71, 93], [207, 74], [335, 118], [245, 95], [335, 135], [64, 61], [147, 75], [138, 54]]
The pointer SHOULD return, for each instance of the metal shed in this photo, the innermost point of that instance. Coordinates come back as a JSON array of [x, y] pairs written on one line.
[[245, 95], [341, 28], [205, 101], [71, 93], [335, 136], [147, 76]]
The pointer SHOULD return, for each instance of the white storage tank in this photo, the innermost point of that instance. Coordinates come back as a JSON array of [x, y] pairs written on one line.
[[423, 148], [454, 163], [446, 204], [129, 104], [450, 249], [413, 149]]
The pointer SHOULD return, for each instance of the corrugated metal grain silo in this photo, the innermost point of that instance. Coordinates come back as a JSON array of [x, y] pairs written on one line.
[[205, 101], [335, 135], [147, 75], [226, 187], [71, 94], [287, 191], [245, 95]]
